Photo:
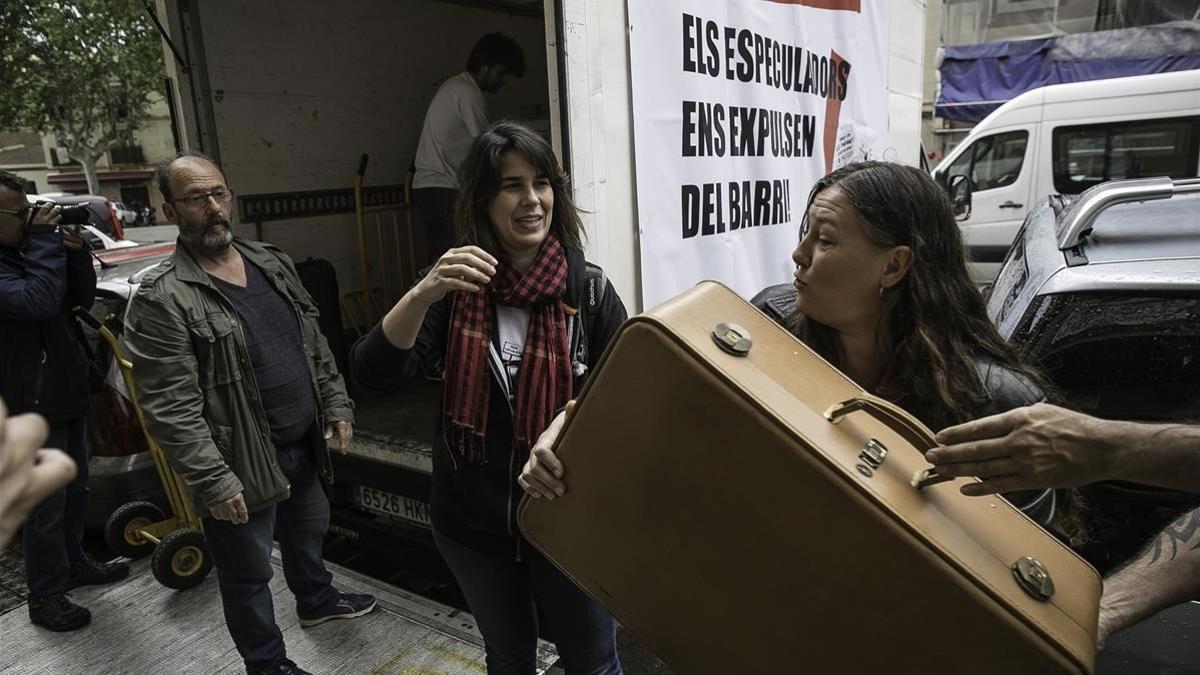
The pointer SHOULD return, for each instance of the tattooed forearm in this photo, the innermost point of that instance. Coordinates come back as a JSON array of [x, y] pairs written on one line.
[[1183, 533]]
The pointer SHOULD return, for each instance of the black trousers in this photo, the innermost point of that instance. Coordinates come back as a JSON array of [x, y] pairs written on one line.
[[54, 530]]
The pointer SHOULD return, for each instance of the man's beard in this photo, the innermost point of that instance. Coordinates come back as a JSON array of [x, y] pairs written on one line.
[[208, 238]]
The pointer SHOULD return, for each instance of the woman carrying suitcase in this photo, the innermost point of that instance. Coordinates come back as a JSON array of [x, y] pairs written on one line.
[[520, 319], [881, 291]]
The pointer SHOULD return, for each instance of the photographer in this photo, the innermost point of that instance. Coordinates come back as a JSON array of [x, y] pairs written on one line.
[[45, 271]]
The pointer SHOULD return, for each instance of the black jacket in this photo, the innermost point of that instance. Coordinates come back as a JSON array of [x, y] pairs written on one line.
[[43, 367], [476, 505]]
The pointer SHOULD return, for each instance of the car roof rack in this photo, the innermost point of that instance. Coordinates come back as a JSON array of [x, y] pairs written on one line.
[[1076, 225]]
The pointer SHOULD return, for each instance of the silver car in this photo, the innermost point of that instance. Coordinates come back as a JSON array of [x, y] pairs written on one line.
[[127, 215], [1102, 290]]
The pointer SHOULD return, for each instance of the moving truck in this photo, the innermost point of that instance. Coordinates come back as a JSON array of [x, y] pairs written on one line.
[[288, 96]]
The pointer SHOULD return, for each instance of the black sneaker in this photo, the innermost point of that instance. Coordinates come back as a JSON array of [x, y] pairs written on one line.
[[57, 613], [88, 572], [348, 606], [285, 667]]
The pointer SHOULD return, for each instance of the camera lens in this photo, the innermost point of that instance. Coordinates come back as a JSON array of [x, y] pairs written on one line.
[[73, 215]]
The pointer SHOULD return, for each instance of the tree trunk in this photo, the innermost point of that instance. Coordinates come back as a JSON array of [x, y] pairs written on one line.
[[88, 161]]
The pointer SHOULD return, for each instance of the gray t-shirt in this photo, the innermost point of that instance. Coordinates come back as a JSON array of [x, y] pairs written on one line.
[[276, 348]]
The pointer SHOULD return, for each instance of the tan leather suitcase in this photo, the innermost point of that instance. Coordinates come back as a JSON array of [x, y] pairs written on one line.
[[719, 514]]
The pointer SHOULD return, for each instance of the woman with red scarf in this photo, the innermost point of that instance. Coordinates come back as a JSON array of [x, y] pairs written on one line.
[[520, 319]]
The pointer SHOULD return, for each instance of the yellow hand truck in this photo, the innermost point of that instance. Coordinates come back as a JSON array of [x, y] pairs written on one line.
[[179, 558]]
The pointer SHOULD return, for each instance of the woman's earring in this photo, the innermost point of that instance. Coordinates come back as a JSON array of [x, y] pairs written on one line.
[[881, 289]]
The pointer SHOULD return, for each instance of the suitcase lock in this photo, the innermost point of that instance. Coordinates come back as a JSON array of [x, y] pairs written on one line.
[[1034, 578], [873, 453], [732, 339]]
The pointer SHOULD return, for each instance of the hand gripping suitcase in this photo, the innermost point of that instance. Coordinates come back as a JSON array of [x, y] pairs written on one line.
[[743, 507]]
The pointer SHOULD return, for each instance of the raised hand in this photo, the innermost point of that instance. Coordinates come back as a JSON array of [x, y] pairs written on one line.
[[467, 268]]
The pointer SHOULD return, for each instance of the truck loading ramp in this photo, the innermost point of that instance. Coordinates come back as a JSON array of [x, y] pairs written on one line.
[[139, 626]]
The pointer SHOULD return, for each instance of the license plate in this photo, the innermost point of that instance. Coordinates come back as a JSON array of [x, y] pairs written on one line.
[[396, 506]]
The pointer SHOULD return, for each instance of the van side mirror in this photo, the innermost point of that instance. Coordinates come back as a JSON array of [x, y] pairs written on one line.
[[960, 197]]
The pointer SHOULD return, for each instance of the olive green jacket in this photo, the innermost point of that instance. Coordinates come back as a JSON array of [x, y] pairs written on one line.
[[196, 386]]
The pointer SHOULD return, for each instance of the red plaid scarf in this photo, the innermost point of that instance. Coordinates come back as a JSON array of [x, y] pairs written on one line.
[[544, 376]]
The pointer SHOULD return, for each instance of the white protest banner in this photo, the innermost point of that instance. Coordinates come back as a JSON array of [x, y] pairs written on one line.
[[739, 106]]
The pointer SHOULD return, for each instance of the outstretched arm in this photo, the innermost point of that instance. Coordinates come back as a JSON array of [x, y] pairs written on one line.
[[1043, 446]]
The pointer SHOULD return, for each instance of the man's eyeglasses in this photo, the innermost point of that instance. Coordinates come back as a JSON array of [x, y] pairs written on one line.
[[20, 213], [199, 200]]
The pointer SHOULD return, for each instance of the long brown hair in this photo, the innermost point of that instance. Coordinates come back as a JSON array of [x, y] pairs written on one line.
[[481, 182], [933, 324]]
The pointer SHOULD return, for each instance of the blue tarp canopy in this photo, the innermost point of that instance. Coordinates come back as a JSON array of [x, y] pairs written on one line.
[[977, 79]]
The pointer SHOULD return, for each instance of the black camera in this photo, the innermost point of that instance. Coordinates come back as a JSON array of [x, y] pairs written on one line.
[[67, 215]]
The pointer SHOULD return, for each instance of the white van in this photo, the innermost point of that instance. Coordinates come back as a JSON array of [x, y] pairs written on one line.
[[1066, 138]]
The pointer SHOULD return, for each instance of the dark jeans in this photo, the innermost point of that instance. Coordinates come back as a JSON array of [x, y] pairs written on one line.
[[54, 530], [433, 211], [504, 595], [242, 555]]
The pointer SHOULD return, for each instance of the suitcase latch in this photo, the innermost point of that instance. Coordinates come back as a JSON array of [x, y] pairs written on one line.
[[928, 478], [732, 339], [1034, 578], [873, 453]]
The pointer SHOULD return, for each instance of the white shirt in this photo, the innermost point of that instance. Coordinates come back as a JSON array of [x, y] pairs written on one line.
[[455, 117], [512, 326]]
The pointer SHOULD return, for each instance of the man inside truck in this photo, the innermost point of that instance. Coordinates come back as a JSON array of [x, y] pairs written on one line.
[[455, 117]]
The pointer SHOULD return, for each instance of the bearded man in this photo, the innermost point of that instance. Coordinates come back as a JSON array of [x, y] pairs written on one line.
[[239, 387]]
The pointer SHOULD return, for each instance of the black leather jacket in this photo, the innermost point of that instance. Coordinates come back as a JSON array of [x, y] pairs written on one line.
[[1005, 390]]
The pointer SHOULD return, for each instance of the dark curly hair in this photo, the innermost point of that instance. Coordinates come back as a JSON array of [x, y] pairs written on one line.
[[481, 182], [933, 324], [497, 49]]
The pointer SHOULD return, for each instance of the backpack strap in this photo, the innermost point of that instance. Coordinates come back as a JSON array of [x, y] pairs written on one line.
[[594, 286]]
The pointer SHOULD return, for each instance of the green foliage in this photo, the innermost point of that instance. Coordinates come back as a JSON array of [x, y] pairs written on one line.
[[80, 69]]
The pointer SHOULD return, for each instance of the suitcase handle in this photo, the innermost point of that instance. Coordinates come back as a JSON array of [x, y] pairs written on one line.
[[893, 416], [898, 421]]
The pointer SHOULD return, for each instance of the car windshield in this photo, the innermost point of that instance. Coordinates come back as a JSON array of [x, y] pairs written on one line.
[[1121, 356]]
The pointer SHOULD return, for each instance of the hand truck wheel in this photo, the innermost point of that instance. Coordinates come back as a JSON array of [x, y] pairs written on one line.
[[120, 532], [181, 560]]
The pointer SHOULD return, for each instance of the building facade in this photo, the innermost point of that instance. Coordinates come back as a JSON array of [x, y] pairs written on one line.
[[956, 24], [125, 172]]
